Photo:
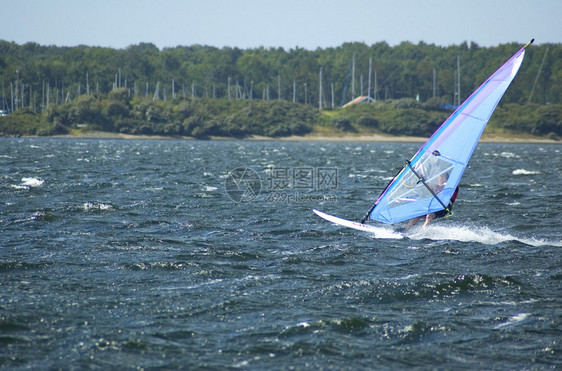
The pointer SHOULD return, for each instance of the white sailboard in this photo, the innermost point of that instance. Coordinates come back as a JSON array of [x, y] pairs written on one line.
[[379, 232], [345, 222]]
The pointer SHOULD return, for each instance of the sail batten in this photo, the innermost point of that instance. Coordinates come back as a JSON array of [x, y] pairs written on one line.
[[428, 181]]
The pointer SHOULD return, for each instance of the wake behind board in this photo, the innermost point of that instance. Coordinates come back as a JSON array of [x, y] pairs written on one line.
[[378, 231]]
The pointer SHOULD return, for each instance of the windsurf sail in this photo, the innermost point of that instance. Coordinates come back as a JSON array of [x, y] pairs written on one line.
[[427, 182]]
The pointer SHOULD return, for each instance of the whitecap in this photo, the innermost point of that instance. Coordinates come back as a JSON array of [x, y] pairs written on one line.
[[26, 183], [94, 205], [387, 233], [508, 155], [384, 233], [408, 277], [525, 172], [482, 235], [154, 189], [203, 195], [513, 319]]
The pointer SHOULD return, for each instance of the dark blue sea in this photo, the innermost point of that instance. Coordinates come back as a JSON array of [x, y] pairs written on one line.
[[119, 254]]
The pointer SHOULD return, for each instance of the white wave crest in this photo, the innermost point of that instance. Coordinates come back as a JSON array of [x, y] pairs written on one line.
[[507, 155], [387, 233], [32, 182], [525, 172], [482, 235], [27, 183], [94, 205], [513, 320]]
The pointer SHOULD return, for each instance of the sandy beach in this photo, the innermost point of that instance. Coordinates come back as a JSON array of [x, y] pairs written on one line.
[[314, 137]]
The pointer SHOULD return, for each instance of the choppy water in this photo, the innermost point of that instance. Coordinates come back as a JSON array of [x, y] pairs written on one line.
[[131, 254]]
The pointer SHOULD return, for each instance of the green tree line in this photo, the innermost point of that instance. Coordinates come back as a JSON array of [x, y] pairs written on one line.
[[202, 90]]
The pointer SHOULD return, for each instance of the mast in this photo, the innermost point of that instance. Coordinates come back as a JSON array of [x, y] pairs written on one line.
[[353, 77], [294, 91], [17, 93], [458, 80], [320, 89], [537, 78], [369, 85], [375, 92], [434, 80], [346, 83], [156, 91], [4, 96], [361, 85]]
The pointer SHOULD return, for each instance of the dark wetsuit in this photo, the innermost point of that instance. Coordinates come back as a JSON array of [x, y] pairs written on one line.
[[442, 213]]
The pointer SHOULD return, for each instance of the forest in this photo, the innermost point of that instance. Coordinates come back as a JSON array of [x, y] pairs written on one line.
[[204, 91]]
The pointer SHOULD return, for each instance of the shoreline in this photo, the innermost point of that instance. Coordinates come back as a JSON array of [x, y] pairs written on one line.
[[362, 138]]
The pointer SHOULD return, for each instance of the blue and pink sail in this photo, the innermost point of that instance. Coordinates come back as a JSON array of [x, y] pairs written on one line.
[[427, 182]]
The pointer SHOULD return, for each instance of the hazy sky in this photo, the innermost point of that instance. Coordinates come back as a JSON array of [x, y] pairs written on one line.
[[307, 24]]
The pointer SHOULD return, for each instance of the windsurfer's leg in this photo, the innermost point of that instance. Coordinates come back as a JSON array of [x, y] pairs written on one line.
[[413, 222], [428, 219]]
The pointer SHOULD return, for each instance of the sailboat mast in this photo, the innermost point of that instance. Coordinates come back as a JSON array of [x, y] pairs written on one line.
[[320, 89], [538, 74], [375, 92], [369, 85], [458, 80], [353, 77], [434, 80]]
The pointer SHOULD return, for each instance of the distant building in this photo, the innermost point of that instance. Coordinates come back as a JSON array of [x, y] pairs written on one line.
[[3, 113]]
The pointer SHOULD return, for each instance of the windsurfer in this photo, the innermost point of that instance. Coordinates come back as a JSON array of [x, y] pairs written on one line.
[[441, 181]]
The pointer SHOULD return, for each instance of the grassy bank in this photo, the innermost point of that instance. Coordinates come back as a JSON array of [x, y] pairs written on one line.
[[245, 119]]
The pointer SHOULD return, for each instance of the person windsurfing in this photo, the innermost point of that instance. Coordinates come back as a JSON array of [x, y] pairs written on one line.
[[441, 181]]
